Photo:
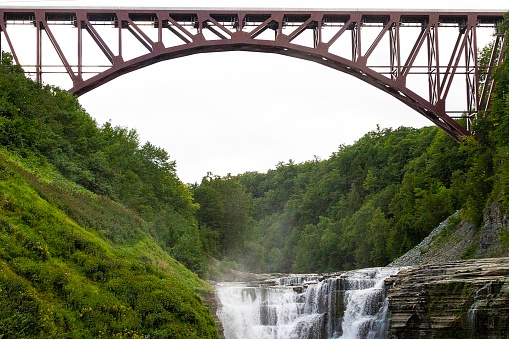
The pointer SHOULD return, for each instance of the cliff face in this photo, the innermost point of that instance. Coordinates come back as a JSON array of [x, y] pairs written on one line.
[[456, 239], [444, 297], [463, 299]]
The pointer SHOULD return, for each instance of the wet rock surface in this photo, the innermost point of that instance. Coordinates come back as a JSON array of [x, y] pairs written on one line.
[[210, 301], [462, 299]]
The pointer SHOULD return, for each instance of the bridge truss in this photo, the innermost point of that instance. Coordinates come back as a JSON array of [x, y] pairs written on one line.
[[371, 45]]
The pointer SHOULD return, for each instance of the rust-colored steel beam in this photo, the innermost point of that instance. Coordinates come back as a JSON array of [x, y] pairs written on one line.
[[282, 32]]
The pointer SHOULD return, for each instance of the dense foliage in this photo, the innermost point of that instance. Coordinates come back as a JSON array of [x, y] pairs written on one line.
[[80, 208], [370, 202], [48, 125], [226, 204], [90, 219], [366, 204]]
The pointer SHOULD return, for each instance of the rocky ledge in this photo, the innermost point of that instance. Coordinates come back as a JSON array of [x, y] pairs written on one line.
[[462, 299]]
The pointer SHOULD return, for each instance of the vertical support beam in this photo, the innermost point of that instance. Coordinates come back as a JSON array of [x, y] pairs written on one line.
[[316, 36], [120, 25], [356, 41], [79, 24], [38, 65], [318, 33], [241, 21], [279, 31], [395, 51], [199, 25], [471, 72], [433, 64], [159, 28]]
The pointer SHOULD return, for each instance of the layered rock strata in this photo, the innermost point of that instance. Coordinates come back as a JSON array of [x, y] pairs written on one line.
[[462, 299]]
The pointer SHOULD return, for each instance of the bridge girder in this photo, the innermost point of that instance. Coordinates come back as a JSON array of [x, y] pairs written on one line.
[[214, 30]]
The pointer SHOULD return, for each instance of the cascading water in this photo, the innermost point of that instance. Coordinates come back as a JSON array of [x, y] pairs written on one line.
[[350, 305], [365, 313]]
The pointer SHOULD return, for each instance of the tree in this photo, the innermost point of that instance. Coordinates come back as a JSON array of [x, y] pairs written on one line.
[[225, 207]]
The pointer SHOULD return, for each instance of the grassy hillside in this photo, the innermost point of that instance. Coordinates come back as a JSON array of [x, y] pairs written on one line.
[[77, 265], [85, 243]]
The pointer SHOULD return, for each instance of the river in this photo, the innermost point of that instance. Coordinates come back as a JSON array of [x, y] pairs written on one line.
[[347, 305]]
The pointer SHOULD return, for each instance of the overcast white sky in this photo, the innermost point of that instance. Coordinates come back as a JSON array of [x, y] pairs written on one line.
[[233, 112]]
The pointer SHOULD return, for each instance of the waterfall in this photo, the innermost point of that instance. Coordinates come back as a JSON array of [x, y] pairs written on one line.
[[365, 303], [480, 299], [348, 305]]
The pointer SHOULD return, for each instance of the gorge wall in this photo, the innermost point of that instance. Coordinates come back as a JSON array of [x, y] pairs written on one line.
[[456, 238], [463, 299], [444, 297]]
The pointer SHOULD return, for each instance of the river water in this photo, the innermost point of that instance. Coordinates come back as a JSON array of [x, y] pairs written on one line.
[[348, 305]]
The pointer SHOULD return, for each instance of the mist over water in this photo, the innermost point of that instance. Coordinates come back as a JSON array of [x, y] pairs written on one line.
[[349, 305]]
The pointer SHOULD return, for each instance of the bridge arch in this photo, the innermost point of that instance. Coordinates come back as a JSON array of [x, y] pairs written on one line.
[[240, 30]]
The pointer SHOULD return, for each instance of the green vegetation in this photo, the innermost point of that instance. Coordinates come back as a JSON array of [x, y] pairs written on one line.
[[368, 203], [97, 233], [470, 251], [363, 206], [88, 221], [47, 125], [504, 239], [225, 203]]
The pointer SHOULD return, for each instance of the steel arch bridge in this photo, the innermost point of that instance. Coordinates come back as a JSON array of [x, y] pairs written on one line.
[[334, 38]]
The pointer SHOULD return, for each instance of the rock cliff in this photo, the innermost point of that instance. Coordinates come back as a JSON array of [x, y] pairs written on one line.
[[456, 239], [462, 299]]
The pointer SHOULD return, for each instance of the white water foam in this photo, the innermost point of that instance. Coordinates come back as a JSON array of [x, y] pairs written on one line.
[[365, 304], [303, 307]]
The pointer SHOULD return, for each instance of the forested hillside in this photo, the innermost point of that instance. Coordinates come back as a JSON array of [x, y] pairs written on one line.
[[89, 219], [47, 125], [97, 233], [367, 204]]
